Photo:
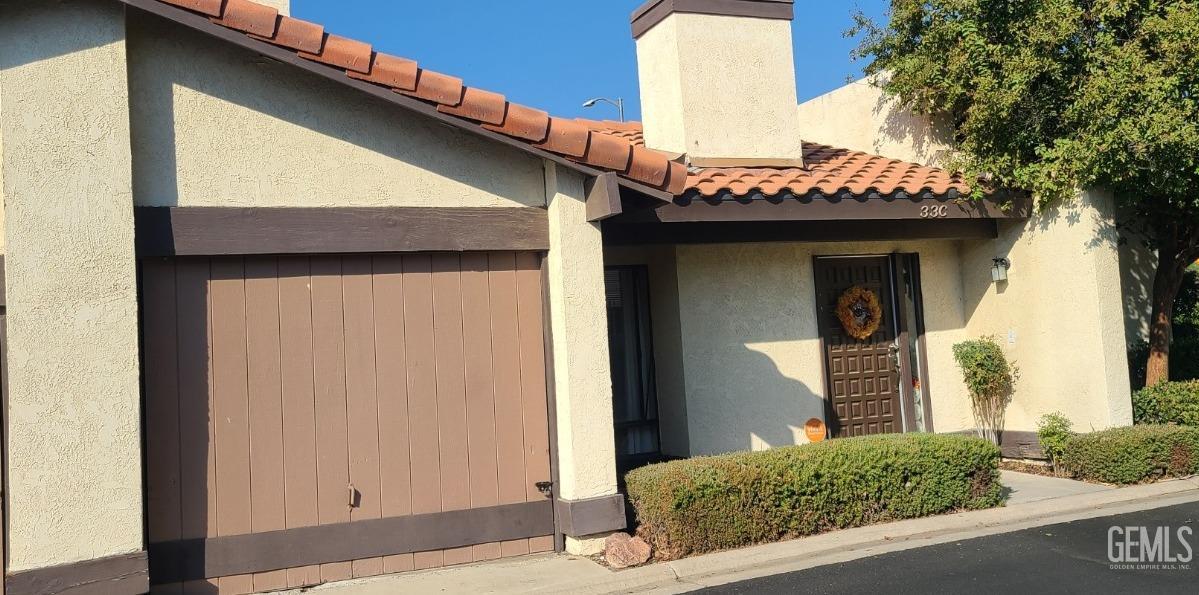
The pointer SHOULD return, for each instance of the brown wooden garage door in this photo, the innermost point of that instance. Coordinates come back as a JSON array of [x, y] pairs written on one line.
[[336, 409]]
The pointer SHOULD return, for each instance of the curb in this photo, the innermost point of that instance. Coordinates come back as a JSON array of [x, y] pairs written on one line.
[[850, 544]]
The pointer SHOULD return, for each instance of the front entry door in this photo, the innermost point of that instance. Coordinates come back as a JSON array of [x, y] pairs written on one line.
[[862, 377]]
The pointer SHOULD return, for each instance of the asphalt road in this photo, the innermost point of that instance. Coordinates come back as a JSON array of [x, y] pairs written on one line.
[[1065, 558]]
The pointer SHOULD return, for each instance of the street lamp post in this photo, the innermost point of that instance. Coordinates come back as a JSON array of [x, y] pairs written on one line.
[[618, 103]]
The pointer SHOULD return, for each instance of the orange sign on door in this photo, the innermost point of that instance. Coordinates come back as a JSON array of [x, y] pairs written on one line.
[[815, 430]]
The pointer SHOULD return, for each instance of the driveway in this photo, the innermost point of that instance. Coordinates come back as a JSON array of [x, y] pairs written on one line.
[[1063, 558]]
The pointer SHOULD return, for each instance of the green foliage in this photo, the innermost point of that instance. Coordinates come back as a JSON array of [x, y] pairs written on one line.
[[1186, 306], [1184, 358], [1053, 96], [1134, 454], [1167, 403], [1054, 430], [1056, 95], [990, 379], [712, 503], [984, 366]]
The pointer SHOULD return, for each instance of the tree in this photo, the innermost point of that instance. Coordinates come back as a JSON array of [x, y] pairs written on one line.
[[1053, 96]]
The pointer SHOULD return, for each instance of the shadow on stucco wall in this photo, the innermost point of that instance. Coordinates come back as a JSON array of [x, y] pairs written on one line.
[[47, 45], [770, 412], [189, 96], [924, 136]]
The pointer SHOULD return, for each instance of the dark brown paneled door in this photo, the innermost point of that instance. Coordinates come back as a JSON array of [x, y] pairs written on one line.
[[861, 376]]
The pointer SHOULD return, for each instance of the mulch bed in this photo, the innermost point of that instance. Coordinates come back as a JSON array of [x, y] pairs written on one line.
[[1027, 467]]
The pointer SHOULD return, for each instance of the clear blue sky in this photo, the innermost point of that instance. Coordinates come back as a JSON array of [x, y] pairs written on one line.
[[555, 54]]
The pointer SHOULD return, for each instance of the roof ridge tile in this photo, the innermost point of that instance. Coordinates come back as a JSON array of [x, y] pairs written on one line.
[[249, 17], [296, 34], [343, 52], [389, 71]]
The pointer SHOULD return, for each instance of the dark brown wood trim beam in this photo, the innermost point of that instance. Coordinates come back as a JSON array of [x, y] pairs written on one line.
[[202, 24], [592, 516], [125, 574], [655, 11], [603, 197], [261, 552], [218, 231], [1016, 444], [618, 233], [789, 208]]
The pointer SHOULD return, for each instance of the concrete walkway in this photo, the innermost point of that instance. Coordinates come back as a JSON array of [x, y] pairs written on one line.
[[1026, 487], [1036, 501]]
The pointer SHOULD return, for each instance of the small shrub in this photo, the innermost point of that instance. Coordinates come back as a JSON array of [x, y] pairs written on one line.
[[990, 379], [1167, 403], [1054, 430], [712, 503], [1134, 454]]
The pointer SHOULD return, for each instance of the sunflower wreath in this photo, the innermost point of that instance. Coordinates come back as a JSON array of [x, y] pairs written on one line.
[[860, 312]]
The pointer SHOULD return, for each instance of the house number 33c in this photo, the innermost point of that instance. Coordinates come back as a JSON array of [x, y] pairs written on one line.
[[934, 211]]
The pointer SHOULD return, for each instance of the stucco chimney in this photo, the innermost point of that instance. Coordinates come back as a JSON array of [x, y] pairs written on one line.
[[283, 6], [718, 80]]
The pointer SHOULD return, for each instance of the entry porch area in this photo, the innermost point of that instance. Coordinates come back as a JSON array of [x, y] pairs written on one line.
[[724, 332]]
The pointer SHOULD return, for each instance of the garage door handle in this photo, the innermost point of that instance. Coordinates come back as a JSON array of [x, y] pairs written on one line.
[[355, 497]]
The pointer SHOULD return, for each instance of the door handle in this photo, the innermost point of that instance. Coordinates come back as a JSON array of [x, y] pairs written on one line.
[[893, 353]]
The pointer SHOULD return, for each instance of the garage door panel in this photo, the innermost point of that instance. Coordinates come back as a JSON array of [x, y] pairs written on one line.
[[422, 394], [197, 427], [338, 391], [299, 415], [395, 486], [451, 391], [509, 406], [266, 406], [163, 500], [480, 391], [530, 311], [231, 407], [362, 406]]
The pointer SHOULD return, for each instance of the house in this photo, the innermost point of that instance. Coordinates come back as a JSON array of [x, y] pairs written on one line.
[[281, 309]]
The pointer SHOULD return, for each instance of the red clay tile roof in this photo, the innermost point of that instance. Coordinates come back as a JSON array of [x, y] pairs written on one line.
[[569, 138], [607, 145], [827, 170]]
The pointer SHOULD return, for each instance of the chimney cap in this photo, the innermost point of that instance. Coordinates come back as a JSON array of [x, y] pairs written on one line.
[[655, 11]]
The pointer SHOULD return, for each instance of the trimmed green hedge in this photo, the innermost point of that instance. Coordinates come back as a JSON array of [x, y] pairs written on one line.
[[1167, 403], [712, 503], [1133, 455]]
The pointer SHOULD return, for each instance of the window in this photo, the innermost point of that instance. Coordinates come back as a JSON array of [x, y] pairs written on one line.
[[634, 393]]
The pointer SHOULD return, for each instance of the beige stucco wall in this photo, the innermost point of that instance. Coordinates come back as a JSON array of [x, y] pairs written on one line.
[[1138, 265], [1075, 298], [750, 343], [1060, 315], [2, 235], [217, 125], [74, 448], [751, 347], [859, 116], [666, 329], [578, 321], [719, 87]]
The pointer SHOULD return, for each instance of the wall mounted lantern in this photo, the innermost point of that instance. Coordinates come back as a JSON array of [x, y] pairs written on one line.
[[999, 269]]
